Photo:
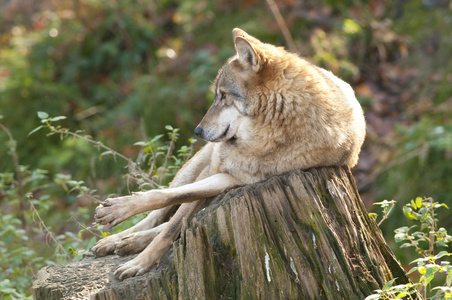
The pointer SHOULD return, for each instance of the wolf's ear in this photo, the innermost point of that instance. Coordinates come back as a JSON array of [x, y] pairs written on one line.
[[247, 54]]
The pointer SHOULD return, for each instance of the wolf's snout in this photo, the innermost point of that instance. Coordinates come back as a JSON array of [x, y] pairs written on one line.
[[198, 131]]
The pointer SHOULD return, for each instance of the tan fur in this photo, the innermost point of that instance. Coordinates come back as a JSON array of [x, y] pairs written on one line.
[[273, 113]]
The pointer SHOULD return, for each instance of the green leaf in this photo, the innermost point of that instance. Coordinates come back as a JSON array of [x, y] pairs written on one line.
[[373, 297], [105, 153], [408, 212], [422, 259], [442, 230], [412, 270], [384, 203], [351, 27], [157, 137], [58, 118], [373, 215], [423, 210], [402, 294], [429, 275], [169, 127], [42, 115], [400, 237], [141, 143], [441, 254], [403, 229], [421, 270], [419, 235], [34, 130], [389, 284], [104, 234]]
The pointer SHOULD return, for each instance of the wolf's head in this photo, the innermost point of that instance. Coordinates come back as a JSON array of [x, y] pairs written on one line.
[[259, 84], [228, 113]]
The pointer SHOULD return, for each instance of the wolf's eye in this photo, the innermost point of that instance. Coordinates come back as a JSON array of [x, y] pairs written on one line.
[[223, 96]]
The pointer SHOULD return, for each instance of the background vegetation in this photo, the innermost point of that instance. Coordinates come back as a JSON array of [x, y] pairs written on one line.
[[123, 70]]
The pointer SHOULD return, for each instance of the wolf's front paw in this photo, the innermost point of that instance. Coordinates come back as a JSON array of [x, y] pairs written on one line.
[[134, 267], [106, 245], [113, 211], [137, 241], [133, 243]]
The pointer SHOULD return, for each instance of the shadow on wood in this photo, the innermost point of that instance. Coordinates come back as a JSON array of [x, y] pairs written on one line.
[[303, 235]]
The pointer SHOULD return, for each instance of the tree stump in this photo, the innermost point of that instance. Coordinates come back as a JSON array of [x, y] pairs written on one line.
[[302, 235]]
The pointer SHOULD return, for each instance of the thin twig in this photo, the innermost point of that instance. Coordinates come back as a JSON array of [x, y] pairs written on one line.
[[168, 154], [386, 215], [282, 26], [83, 227], [43, 225], [99, 144], [433, 228], [142, 132], [391, 164], [131, 164]]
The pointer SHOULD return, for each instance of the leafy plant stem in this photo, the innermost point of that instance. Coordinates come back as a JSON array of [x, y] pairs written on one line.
[[168, 154], [132, 166], [20, 185]]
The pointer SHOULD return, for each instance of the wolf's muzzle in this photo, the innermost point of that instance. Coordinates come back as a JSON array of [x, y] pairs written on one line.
[[199, 131]]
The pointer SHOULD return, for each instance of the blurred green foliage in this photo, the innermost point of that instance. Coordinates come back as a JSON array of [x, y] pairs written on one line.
[[122, 70], [63, 198], [430, 241]]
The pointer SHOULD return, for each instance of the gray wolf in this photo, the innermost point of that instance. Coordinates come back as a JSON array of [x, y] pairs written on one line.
[[273, 112]]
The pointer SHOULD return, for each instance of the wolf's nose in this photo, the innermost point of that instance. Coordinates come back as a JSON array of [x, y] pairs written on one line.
[[198, 131]]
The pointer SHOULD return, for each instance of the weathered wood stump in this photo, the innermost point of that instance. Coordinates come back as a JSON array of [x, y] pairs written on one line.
[[303, 235]]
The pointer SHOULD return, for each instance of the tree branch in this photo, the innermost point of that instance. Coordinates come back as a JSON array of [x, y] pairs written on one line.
[[282, 26]]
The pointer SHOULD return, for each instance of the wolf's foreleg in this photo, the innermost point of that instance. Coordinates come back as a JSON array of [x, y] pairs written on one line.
[[160, 245], [187, 174], [115, 210], [107, 245]]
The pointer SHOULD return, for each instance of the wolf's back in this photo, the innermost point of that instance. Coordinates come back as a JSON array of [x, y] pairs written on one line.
[[307, 110]]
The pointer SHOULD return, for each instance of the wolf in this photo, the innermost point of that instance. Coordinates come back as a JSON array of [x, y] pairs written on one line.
[[273, 112]]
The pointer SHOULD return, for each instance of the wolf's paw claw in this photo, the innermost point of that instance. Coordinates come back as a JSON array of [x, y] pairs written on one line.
[[106, 203], [105, 246], [126, 271], [126, 246], [133, 243], [134, 267]]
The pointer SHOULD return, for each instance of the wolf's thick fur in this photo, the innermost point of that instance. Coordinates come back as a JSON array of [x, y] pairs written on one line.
[[273, 112]]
